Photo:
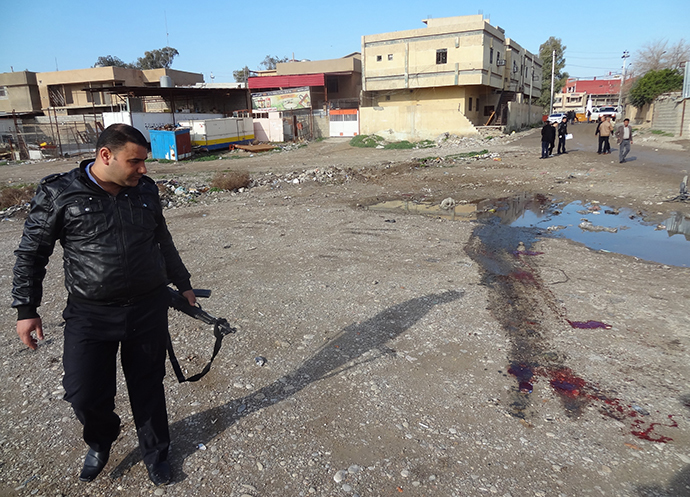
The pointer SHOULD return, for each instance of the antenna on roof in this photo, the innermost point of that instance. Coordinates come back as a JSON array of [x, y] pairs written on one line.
[[167, 43]]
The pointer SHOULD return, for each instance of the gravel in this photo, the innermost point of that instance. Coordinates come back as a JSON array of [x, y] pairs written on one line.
[[386, 346]]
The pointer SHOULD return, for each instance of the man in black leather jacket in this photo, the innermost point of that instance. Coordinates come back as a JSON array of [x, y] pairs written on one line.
[[562, 131], [118, 257]]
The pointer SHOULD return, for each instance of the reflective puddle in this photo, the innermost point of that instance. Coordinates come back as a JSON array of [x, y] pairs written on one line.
[[456, 212], [597, 226]]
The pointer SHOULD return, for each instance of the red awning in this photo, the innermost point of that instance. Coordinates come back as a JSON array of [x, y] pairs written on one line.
[[293, 81]]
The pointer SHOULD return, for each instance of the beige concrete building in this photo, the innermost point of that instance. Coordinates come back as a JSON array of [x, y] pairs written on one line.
[[19, 93], [452, 76], [64, 92]]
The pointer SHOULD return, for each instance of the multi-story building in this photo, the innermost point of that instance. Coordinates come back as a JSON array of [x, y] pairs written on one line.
[[577, 92], [452, 76]]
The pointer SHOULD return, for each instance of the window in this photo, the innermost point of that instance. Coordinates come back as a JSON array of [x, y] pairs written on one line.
[[3, 93], [469, 105], [390, 56], [491, 56], [498, 58], [379, 58], [442, 56], [332, 84]]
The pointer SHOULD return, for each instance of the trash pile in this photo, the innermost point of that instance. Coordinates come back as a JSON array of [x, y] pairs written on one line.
[[167, 127], [332, 175], [7, 214], [451, 160], [175, 194]]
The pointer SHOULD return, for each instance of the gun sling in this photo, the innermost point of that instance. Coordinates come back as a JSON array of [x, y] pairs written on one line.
[[217, 332], [221, 327]]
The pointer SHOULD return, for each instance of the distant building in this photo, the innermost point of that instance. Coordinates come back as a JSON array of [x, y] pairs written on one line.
[[307, 99], [61, 112], [577, 92], [452, 76], [19, 93], [63, 91], [333, 83]]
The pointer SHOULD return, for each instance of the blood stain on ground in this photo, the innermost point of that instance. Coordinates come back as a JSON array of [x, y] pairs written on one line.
[[588, 325]]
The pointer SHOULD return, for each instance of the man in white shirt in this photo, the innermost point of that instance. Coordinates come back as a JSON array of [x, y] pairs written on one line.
[[624, 136]]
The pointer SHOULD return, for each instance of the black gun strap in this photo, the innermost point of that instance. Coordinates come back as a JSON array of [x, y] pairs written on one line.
[[216, 348]]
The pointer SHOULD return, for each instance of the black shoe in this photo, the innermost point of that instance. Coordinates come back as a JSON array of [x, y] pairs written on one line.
[[94, 462], [160, 473]]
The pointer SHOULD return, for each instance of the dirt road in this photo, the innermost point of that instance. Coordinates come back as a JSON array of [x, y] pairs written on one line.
[[406, 354]]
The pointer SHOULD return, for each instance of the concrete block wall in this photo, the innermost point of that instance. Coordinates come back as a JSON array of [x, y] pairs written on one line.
[[668, 110]]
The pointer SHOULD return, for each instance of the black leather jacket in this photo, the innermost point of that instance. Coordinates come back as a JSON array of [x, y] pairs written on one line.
[[562, 129], [115, 248]]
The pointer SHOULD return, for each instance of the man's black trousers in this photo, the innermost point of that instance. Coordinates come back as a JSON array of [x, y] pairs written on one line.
[[93, 334]]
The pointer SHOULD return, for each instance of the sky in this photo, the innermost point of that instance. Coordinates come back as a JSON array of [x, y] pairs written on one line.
[[217, 37]]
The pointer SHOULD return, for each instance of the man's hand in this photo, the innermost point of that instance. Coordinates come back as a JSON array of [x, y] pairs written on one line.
[[24, 329], [191, 298]]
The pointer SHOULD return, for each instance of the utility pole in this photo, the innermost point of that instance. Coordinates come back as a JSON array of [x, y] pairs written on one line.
[[553, 68], [625, 56], [531, 83]]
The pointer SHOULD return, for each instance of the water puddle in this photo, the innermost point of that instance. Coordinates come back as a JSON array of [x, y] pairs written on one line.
[[622, 231], [597, 226], [465, 212]]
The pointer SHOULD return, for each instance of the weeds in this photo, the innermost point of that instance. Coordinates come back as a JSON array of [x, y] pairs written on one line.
[[661, 133], [401, 145], [230, 180], [426, 144], [204, 158], [16, 195], [464, 155], [366, 141]]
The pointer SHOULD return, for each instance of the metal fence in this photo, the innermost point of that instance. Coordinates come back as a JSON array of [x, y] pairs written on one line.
[[47, 137]]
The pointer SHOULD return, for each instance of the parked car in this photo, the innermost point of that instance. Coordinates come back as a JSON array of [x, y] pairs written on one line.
[[556, 117], [614, 112]]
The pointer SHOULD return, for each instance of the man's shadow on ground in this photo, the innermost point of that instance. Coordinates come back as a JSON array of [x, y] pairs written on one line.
[[331, 359]]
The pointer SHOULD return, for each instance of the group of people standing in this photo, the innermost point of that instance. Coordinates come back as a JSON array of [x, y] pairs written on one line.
[[604, 130], [624, 137], [548, 137]]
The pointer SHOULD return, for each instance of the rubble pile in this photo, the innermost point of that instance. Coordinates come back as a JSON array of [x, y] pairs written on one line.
[[7, 214], [332, 175], [452, 160]]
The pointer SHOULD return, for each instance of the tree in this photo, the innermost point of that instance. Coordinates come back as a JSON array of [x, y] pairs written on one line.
[[157, 59], [241, 75], [653, 84], [658, 54], [545, 54], [112, 61], [271, 61]]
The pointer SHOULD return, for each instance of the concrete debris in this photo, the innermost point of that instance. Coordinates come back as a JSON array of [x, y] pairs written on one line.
[[588, 226]]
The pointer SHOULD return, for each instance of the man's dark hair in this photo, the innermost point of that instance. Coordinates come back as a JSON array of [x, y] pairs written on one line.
[[116, 136], [626, 119]]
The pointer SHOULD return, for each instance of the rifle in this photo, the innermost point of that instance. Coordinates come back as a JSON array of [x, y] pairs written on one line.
[[221, 327]]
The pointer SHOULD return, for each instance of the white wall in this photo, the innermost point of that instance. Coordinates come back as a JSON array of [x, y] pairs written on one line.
[[144, 121]]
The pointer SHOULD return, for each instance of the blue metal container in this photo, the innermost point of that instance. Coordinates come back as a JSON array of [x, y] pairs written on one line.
[[172, 145]]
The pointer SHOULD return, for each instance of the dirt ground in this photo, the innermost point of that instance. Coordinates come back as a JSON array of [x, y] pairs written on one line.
[[405, 354]]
